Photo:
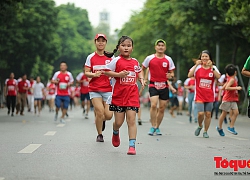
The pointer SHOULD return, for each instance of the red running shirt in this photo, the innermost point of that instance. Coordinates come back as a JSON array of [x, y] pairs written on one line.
[[205, 84], [98, 63], [158, 68], [84, 84], [125, 90], [231, 95], [31, 84], [190, 82], [23, 84], [51, 88], [64, 79], [11, 85]]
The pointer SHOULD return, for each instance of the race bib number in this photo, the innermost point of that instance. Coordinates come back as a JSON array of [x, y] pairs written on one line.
[[99, 68], [63, 85], [129, 80], [11, 88], [205, 83], [85, 83], [160, 85]]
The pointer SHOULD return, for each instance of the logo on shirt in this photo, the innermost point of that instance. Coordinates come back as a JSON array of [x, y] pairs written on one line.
[[137, 68], [66, 78], [211, 74], [107, 61], [164, 64]]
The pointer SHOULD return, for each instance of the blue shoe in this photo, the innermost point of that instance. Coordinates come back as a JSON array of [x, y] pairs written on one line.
[[151, 131], [232, 130], [197, 131], [158, 132], [220, 131]]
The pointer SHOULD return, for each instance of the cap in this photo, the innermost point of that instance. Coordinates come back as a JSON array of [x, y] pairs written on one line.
[[179, 82], [160, 40], [100, 35]]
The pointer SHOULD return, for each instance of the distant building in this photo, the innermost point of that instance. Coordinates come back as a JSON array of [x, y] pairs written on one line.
[[104, 18]]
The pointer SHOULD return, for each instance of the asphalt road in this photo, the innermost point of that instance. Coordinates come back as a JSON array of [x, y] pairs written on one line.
[[37, 148]]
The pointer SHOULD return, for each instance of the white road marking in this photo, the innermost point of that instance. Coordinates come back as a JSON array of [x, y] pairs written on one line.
[[50, 133], [30, 148], [238, 138], [60, 125]]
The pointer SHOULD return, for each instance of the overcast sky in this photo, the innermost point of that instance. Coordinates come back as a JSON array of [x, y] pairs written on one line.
[[120, 10]]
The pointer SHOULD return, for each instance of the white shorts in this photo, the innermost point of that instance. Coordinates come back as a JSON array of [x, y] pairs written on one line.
[[48, 97], [180, 98]]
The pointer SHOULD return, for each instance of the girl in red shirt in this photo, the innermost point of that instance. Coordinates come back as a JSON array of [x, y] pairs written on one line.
[[125, 98]]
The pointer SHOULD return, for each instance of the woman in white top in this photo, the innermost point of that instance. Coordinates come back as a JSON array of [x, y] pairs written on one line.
[[39, 93]]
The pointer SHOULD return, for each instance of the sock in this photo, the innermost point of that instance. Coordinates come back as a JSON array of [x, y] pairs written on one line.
[[115, 132], [132, 143]]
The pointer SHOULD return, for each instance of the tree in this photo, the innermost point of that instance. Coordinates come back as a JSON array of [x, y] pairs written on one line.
[[75, 33], [27, 32]]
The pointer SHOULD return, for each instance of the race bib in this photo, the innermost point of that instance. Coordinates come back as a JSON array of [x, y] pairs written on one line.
[[11, 88], [160, 85], [99, 68], [63, 85], [205, 83], [129, 80], [85, 83]]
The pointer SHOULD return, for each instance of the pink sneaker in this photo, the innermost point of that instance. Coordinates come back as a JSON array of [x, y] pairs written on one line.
[[116, 140], [131, 151]]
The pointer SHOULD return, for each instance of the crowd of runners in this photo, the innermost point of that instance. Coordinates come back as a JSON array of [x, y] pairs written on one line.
[[110, 85]]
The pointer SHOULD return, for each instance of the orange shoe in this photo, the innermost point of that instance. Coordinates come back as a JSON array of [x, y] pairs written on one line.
[[131, 151]]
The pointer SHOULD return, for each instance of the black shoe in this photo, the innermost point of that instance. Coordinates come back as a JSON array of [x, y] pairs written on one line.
[[103, 125], [83, 111], [67, 114], [8, 112], [139, 122], [99, 138], [12, 114]]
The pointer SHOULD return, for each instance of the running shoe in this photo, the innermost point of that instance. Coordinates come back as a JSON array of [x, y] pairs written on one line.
[[220, 131], [86, 116], [116, 140], [205, 135], [8, 112], [83, 111], [158, 132], [151, 131], [197, 131], [103, 125], [99, 138], [139, 122], [12, 114], [55, 119], [190, 119], [62, 121], [232, 130], [195, 120], [131, 151]]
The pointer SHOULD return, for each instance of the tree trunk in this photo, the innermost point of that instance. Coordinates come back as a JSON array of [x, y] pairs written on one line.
[[235, 49]]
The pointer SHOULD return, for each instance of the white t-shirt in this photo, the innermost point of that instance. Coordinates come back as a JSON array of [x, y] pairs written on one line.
[[38, 90]]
